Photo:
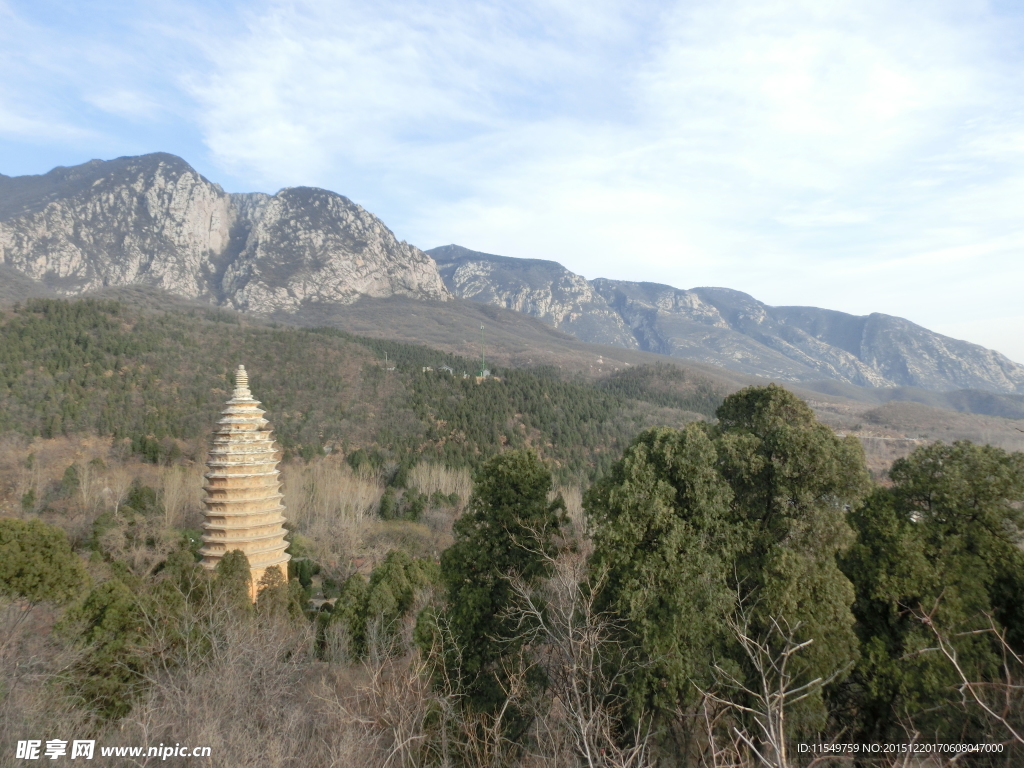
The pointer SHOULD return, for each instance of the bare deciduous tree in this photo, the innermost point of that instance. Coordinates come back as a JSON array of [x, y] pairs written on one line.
[[1002, 701], [574, 643], [764, 700], [117, 484], [181, 494]]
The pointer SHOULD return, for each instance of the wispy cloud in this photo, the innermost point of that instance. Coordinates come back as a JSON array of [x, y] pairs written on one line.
[[399, 89]]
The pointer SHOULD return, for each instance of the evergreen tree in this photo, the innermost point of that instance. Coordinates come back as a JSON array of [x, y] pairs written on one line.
[[274, 596], [350, 611], [233, 581], [690, 521], [793, 481], [376, 609], [392, 591], [184, 574], [37, 564], [510, 529], [943, 540], [663, 548], [111, 673]]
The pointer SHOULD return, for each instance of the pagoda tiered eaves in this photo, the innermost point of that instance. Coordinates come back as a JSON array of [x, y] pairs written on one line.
[[243, 498]]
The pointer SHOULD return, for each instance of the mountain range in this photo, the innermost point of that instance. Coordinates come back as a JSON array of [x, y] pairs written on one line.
[[728, 328], [153, 220]]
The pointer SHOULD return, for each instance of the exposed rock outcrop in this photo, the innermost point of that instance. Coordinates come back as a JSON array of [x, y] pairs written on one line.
[[728, 328], [154, 220], [543, 289], [311, 245], [149, 219]]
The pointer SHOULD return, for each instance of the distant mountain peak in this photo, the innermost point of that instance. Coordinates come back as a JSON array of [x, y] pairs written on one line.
[[154, 220], [732, 329]]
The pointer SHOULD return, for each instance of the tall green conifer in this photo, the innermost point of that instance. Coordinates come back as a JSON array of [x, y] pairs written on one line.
[[510, 529], [794, 482], [945, 540], [664, 545]]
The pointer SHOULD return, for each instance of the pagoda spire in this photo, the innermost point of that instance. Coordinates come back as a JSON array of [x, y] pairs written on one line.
[[243, 487], [241, 385]]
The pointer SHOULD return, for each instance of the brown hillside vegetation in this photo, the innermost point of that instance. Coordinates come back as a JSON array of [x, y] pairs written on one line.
[[891, 431]]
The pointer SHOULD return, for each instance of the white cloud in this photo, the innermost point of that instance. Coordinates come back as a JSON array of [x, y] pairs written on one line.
[[22, 123], [311, 89], [72, 75], [124, 102]]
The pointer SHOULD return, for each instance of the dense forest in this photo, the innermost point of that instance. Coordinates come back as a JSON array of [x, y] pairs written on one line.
[[642, 571], [159, 379]]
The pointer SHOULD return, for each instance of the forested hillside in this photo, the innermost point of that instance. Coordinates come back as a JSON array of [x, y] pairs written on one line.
[[156, 380], [526, 569], [723, 595]]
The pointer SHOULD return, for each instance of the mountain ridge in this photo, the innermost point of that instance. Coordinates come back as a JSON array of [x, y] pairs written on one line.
[[725, 327], [153, 220]]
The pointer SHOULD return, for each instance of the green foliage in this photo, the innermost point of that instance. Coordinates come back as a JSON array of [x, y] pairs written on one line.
[[509, 529], [665, 385], [663, 549], [792, 482], [142, 499], [689, 522], [301, 569], [70, 482], [388, 505], [466, 422], [376, 608], [415, 504], [183, 571], [309, 452], [37, 564], [350, 610], [88, 366], [392, 591], [111, 674], [28, 500], [233, 580], [127, 627], [163, 451], [276, 599], [409, 506], [357, 458], [943, 540], [152, 380]]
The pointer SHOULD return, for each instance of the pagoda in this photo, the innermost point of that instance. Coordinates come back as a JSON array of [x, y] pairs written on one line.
[[243, 487]]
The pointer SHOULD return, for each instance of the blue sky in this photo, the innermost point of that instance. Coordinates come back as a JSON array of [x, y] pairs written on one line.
[[862, 156]]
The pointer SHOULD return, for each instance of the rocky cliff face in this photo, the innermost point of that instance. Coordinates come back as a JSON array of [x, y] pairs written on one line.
[[311, 245], [154, 220], [543, 289], [731, 329], [149, 219]]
